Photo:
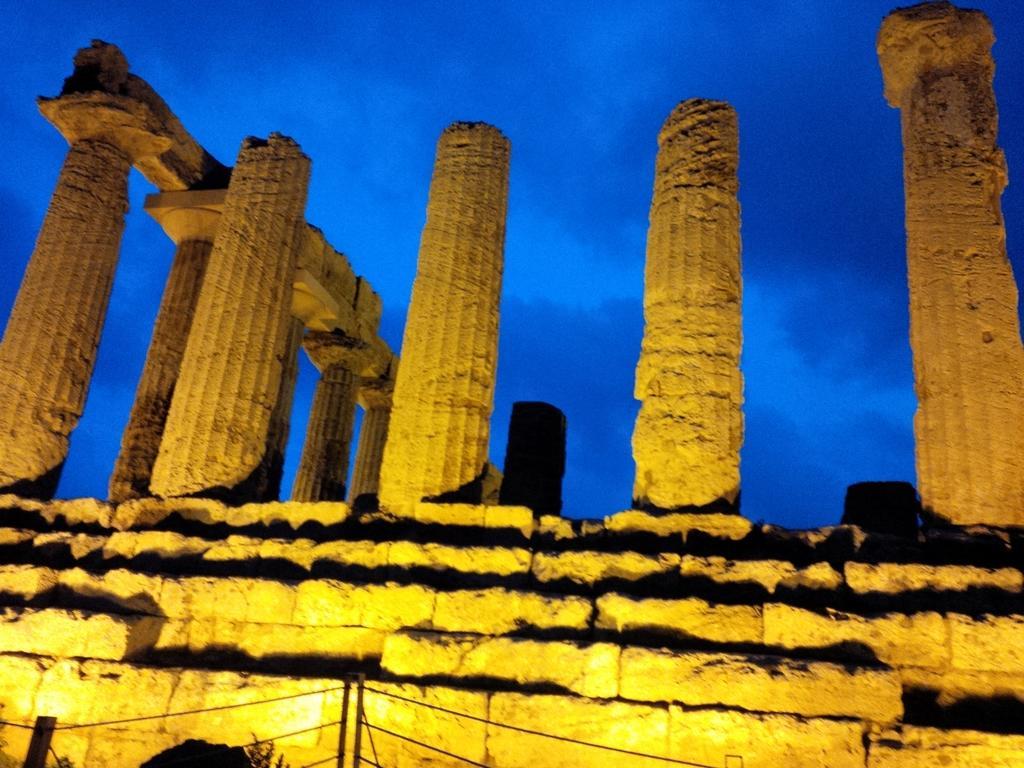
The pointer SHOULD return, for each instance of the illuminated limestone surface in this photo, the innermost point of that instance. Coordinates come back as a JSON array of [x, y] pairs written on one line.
[[190, 220], [342, 362], [688, 432], [375, 398], [241, 345], [444, 391], [968, 359]]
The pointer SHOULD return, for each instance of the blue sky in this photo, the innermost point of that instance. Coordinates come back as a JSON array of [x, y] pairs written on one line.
[[581, 89]]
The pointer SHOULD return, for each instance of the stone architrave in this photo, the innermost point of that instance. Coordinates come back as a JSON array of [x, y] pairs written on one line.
[[444, 391], [375, 398], [240, 349], [964, 329], [689, 430], [534, 458], [342, 362], [190, 220]]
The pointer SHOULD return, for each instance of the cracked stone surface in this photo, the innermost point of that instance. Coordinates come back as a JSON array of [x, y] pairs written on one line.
[[689, 430]]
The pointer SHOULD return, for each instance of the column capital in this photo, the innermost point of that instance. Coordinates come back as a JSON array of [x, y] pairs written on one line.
[[189, 214], [930, 37], [328, 349], [376, 393], [102, 101]]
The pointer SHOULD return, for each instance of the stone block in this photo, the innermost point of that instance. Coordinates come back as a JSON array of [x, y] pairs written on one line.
[[26, 582], [499, 611], [915, 747], [203, 689], [636, 727], [477, 515], [89, 691], [67, 634], [709, 736], [919, 639], [764, 573], [500, 561], [760, 683], [326, 602], [21, 678], [892, 578], [458, 735], [164, 544], [815, 576], [688, 617], [362, 554], [888, 507], [588, 670], [135, 592], [717, 524], [993, 643], [585, 567], [952, 686], [83, 511]]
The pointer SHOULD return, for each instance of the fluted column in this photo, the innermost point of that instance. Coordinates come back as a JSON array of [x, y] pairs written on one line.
[[688, 433], [440, 423], [49, 347], [238, 353], [375, 398], [324, 465], [964, 329], [190, 219]]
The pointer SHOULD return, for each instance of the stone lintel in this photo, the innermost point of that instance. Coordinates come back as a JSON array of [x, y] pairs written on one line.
[[102, 101], [930, 37], [331, 349], [187, 214]]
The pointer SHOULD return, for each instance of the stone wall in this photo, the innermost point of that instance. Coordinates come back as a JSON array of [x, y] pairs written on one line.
[[688, 636]]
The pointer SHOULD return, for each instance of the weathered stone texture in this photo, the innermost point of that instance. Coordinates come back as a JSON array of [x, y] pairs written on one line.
[[141, 441], [375, 397], [919, 639], [760, 683], [964, 328], [688, 617], [892, 578], [709, 736], [49, 347], [444, 391], [238, 352], [913, 747], [689, 430], [589, 670], [323, 468]]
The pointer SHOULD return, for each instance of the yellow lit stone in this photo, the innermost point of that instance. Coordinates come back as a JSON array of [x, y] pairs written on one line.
[[686, 617]]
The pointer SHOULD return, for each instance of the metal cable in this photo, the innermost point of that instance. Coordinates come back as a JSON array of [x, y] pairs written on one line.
[[532, 732], [223, 750], [411, 740], [195, 711]]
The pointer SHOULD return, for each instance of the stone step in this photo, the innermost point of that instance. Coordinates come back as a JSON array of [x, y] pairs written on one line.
[[750, 682]]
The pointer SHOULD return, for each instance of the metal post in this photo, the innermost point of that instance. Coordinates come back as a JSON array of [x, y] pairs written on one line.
[[344, 725], [357, 754], [39, 746]]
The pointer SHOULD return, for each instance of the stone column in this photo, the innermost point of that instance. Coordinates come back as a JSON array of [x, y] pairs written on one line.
[[49, 348], [375, 398], [239, 350], [534, 458], [324, 465], [190, 220], [688, 433], [964, 329], [444, 392]]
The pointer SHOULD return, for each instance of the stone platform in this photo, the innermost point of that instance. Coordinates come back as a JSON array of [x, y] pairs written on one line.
[[687, 636]]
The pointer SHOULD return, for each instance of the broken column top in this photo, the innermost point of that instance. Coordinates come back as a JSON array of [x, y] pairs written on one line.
[[102, 100], [693, 142], [930, 37]]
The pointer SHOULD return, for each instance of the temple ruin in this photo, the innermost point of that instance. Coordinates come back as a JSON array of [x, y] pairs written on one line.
[[447, 599]]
